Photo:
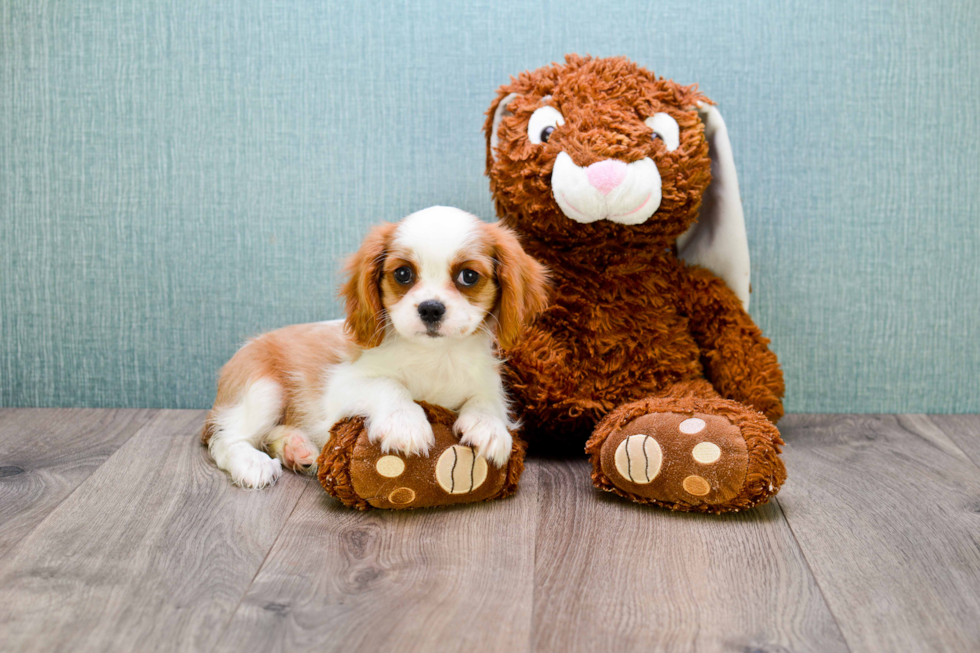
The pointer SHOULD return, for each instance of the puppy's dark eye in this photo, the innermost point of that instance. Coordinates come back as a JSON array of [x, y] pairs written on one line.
[[546, 133], [404, 275], [468, 277]]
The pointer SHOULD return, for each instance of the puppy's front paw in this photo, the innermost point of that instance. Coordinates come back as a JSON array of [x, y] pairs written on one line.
[[403, 430], [251, 468], [487, 434]]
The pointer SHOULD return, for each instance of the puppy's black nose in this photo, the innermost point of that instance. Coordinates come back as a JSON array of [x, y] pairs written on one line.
[[431, 311]]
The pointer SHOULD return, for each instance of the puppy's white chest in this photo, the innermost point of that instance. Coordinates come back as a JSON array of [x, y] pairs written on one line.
[[443, 374], [444, 385]]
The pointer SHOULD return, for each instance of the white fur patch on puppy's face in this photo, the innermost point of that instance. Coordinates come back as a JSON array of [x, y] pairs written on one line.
[[438, 276]]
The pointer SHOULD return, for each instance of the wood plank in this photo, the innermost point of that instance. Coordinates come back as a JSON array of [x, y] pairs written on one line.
[[615, 576], [152, 553], [449, 579], [964, 431], [45, 453], [885, 511]]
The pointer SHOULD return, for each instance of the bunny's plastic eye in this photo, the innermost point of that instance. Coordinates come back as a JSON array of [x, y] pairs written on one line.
[[665, 128], [542, 123]]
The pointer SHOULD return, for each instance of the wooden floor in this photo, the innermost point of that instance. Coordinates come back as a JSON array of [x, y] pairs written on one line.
[[118, 534]]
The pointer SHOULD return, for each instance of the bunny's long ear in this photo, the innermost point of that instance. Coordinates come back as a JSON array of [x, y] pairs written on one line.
[[718, 240], [499, 111]]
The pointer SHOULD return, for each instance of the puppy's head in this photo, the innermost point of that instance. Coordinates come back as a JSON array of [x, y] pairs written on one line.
[[441, 273]]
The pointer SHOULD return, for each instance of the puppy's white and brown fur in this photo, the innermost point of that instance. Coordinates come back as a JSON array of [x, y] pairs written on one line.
[[283, 391]]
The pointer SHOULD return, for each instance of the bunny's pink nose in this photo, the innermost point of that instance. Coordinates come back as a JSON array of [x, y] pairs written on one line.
[[606, 175]]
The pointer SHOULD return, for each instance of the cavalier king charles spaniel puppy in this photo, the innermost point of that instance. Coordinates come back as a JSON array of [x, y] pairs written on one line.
[[430, 302]]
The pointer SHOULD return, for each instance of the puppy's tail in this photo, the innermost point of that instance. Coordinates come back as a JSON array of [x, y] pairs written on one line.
[[207, 432]]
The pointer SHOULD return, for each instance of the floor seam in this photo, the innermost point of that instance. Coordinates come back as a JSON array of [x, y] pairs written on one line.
[[534, 558], [154, 413], [813, 575], [951, 441], [258, 570]]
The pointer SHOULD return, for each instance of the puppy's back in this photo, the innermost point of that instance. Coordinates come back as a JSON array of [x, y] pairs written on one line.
[[293, 357]]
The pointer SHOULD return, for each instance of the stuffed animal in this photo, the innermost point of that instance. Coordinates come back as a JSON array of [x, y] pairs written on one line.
[[356, 471], [623, 184]]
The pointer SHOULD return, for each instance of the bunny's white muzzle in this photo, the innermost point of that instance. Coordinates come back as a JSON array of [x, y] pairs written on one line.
[[627, 193]]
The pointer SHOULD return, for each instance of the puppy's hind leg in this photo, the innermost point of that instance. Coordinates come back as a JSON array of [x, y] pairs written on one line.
[[290, 445], [237, 432]]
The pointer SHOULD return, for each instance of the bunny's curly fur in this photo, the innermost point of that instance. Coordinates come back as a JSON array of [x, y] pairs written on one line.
[[631, 328]]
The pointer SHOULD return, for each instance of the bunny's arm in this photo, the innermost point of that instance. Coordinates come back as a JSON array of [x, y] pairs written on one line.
[[536, 370], [735, 354]]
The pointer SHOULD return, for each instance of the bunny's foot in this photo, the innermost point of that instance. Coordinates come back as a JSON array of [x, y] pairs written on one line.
[[360, 475], [688, 450]]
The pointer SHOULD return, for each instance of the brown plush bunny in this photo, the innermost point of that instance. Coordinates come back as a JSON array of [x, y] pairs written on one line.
[[603, 170]]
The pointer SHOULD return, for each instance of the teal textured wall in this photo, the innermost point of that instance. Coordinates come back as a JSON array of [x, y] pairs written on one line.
[[176, 176]]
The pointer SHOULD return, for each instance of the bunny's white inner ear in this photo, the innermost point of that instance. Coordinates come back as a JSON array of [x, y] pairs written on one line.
[[718, 240], [498, 115]]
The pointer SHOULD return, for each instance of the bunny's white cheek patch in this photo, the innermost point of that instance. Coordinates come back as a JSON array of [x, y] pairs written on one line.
[[607, 190]]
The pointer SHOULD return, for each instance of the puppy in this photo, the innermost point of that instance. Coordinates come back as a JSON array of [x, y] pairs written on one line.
[[428, 301]]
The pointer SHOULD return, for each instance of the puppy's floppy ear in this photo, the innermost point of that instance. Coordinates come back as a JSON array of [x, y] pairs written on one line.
[[523, 284], [362, 289]]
